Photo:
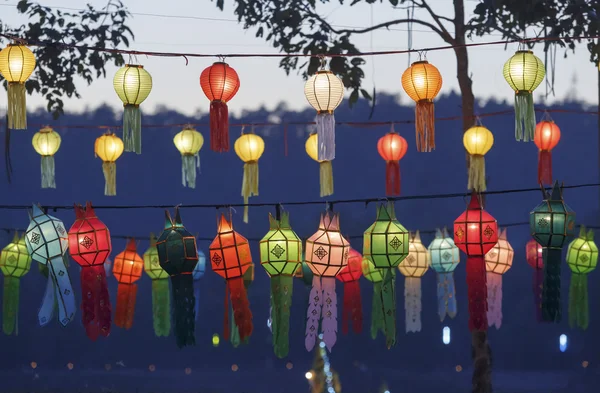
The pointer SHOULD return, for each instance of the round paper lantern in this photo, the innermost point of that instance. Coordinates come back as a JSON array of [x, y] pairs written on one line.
[[109, 148], [547, 135], [497, 262], [476, 233], [17, 63], [132, 84], [445, 256], [477, 140], [422, 82], [413, 267], [220, 83], [189, 142], [15, 262], [197, 274], [375, 275], [325, 168], [127, 269], [534, 256], [46, 143], [552, 224], [249, 148], [324, 92], [524, 72], [392, 147], [352, 306], [161, 298]]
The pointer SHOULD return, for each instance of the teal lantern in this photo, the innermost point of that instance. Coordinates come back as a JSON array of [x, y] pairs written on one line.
[[445, 256]]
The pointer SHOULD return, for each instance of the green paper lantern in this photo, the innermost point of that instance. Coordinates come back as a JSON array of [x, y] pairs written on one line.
[[15, 262], [161, 298]]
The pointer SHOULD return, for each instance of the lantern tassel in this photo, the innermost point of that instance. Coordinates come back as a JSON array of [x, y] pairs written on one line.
[[281, 295], [326, 136], [538, 285], [219, 127], [377, 320], [17, 108], [545, 167], [578, 302], [161, 307], [48, 178], [249, 184], [313, 314], [59, 294], [132, 129], [10, 305], [235, 332], [551, 311], [412, 304], [425, 125], [524, 116], [494, 290], [326, 178], [477, 173], [329, 313], [196, 299], [110, 178], [126, 297], [188, 170], [477, 292], [241, 307], [446, 295], [95, 302], [182, 286], [388, 297], [352, 308], [392, 178]]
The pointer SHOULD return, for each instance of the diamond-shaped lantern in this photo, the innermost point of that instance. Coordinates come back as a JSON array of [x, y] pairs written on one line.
[[413, 267], [15, 262], [445, 256], [498, 260]]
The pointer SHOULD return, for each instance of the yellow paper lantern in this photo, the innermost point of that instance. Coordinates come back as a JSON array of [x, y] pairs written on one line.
[[132, 84], [17, 63], [325, 168], [249, 148], [46, 143], [477, 140], [189, 142], [109, 148]]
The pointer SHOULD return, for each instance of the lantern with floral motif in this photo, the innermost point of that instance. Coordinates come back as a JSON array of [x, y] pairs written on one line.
[[445, 256], [352, 306], [534, 256], [15, 262], [161, 298], [127, 269], [392, 147], [498, 260], [375, 275], [413, 267]]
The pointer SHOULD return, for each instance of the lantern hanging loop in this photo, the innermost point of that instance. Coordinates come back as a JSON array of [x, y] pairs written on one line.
[[422, 55], [546, 116], [323, 61]]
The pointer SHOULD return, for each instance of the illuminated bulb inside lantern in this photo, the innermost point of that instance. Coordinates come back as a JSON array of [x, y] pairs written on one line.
[[15, 64], [585, 246], [540, 249], [419, 82], [473, 226], [308, 375]]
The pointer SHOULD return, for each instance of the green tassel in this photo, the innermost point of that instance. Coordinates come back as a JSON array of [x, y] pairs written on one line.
[[161, 306], [388, 296], [377, 319], [551, 311], [524, 117], [48, 178], [578, 302], [10, 305], [17, 107], [132, 129], [281, 295]]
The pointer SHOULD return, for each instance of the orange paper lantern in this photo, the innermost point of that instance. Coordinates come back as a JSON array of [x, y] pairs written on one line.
[[127, 269], [392, 147], [547, 136]]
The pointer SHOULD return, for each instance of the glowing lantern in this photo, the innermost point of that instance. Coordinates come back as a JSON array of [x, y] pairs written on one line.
[[109, 148], [47, 243], [422, 82], [326, 255], [445, 256], [325, 168], [352, 306], [413, 267], [15, 262], [375, 275], [127, 269], [220, 83], [161, 298], [189, 142], [477, 140], [46, 143], [476, 233], [552, 224], [280, 255], [524, 72], [197, 274], [324, 92], [178, 256], [89, 246], [249, 148], [534, 255], [547, 135], [230, 258], [392, 147], [498, 260], [17, 63]]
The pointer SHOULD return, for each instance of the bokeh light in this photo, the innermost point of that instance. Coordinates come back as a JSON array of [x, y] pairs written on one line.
[[458, 368], [188, 371], [215, 340], [33, 365], [70, 366], [308, 375], [152, 368], [585, 364], [289, 365], [234, 367]]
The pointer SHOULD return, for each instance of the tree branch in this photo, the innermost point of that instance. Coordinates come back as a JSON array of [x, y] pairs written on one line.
[[446, 36], [388, 24]]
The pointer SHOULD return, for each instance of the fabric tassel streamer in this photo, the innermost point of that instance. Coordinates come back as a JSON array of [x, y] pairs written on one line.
[[392, 178], [425, 125], [249, 184], [197, 299], [161, 307], [412, 304], [477, 292], [326, 136], [242, 316], [10, 305], [326, 178], [538, 286], [126, 297], [17, 108], [59, 293], [524, 116], [95, 302], [551, 310], [494, 290], [110, 178], [388, 297], [446, 294], [377, 319], [281, 295], [219, 126], [477, 173], [132, 129], [329, 312], [183, 315], [189, 163], [352, 314], [313, 314], [545, 167], [48, 177], [578, 302], [235, 332]]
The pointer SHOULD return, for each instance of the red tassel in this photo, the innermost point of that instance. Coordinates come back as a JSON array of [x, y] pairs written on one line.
[[477, 291], [545, 167], [392, 178], [226, 314], [103, 307], [219, 126], [241, 307], [95, 304], [357, 315], [126, 296]]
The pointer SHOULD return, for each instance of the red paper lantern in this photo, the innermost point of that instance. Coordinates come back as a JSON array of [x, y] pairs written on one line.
[[547, 136], [219, 83], [90, 246], [392, 147], [476, 233], [534, 255], [127, 269], [352, 306]]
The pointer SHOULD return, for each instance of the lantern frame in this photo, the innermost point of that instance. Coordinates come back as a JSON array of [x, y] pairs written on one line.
[[395, 238], [552, 222], [326, 251], [89, 238], [280, 248], [418, 260], [582, 253], [229, 251], [128, 265], [152, 262], [500, 258], [15, 260], [444, 250], [475, 230], [353, 270]]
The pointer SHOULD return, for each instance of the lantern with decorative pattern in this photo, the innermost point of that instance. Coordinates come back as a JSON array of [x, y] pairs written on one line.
[[413, 267], [127, 269], [445, 256], [15, 262], [161, 298], [17, 63], [582, 258], [497, 261], [352, 306]]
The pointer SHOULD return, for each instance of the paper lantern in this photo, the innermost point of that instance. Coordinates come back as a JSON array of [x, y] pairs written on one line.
[[280, 255], [189, 142], [326, 254], [477, 140], [582, 258], [422, 82], [534, 256], [109, 148], [178, 256], [413, 267], [15, 262], [392, 147], [497, 262], [47, 243], [230, 258], [132, 84], [89, 246], [476, 233], [552, 225], [547, 135], [197, 274], [352, 306], [524, 72], [445, 256], [325, 167], [161, 297], [220, 83], [249, 148], [127, 269], [375, 275], [46, 143], [17, 63], [324, 92]]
